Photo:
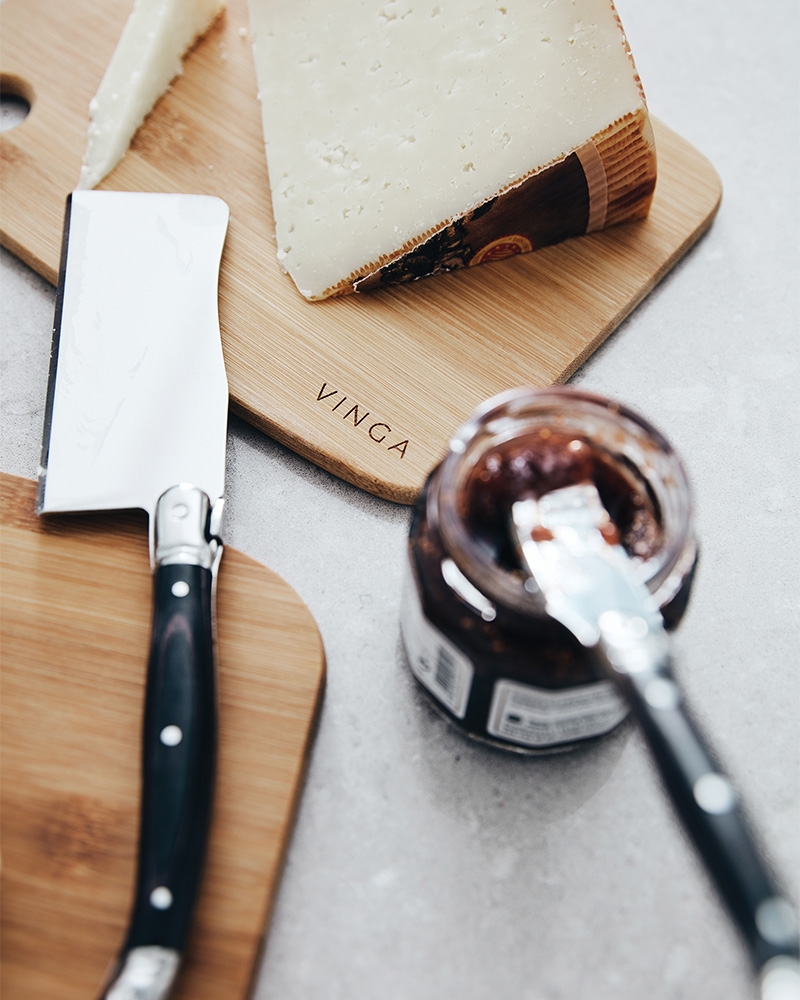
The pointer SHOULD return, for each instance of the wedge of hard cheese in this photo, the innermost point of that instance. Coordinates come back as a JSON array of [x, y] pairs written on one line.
[[408, 137], [146, 60]]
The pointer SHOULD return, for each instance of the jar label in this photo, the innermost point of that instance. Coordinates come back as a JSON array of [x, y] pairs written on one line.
[[537, 717], [436, 663]]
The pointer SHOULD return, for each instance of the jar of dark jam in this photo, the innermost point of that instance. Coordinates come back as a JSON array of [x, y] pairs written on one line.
[[476, 634]]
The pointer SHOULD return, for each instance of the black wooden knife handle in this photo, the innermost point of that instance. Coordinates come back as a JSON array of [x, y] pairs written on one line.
[[709, 807], [178, 758]]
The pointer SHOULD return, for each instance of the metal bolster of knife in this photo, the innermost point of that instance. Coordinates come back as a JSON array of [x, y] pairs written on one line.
[[146, 974], [187, 529]]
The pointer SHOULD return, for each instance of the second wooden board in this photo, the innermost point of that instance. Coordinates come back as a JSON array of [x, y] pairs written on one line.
[[75, 593], [369, 386]]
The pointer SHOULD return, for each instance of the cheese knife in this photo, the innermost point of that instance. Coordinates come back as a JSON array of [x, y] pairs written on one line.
[[592, 587], [136, 417]]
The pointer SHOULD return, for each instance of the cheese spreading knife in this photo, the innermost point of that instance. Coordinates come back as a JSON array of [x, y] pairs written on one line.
[[136, 417], [590, 585]]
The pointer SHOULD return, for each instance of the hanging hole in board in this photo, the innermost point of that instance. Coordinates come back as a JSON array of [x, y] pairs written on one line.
[[16, 100]]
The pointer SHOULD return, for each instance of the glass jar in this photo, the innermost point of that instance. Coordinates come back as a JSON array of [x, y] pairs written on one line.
[[476, 637]]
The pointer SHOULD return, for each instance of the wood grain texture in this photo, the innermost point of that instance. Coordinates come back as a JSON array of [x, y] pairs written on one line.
[[75, 632], [415, 359]]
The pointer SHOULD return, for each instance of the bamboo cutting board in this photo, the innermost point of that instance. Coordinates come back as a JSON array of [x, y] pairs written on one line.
[[75, 633], [369, 386]]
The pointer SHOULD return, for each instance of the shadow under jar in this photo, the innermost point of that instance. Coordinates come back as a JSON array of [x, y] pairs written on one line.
[[475, 631]]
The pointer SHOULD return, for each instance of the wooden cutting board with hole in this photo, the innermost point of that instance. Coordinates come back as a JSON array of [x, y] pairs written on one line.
[[369, 386], [75, 598]]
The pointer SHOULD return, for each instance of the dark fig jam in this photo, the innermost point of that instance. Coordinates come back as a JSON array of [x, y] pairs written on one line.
[[477, 640], [545, 460]]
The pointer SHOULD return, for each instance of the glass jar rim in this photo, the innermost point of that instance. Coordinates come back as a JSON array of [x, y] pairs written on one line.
[[504, 417]]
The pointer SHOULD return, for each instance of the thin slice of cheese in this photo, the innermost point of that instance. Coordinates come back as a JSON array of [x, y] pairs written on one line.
[[407, 137], [146, 60]]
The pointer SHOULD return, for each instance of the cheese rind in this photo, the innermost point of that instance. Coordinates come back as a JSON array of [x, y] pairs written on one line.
[[392, 128], [146, 60]]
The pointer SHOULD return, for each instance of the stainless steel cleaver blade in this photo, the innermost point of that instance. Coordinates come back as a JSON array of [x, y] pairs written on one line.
[[136, 416]]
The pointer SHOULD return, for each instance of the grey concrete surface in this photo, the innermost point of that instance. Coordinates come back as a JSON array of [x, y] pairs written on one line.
[[425, 867]]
